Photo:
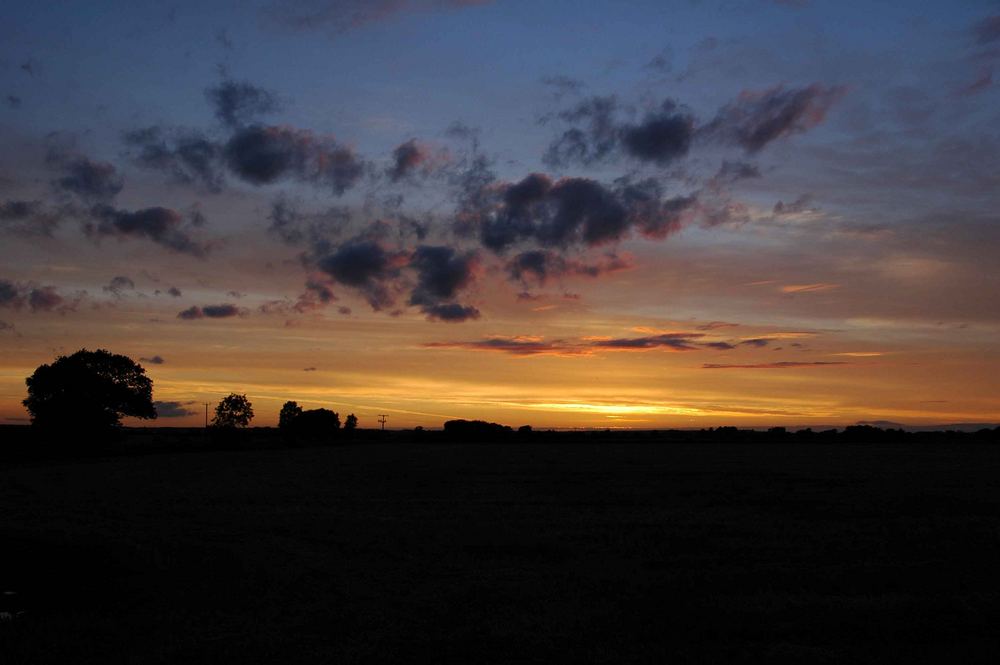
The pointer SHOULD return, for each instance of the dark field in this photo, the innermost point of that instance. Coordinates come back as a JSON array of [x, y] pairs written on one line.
[[506, 553]]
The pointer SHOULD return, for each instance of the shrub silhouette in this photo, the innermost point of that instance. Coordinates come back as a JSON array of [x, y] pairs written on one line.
[[476, 428], [233, 411], [318, 422], [351, 422], [89, 390], [297, 423]]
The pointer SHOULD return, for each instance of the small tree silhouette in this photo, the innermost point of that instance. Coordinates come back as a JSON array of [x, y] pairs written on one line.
[[289, 412], [89, 390], [351, 422], [233, 411]]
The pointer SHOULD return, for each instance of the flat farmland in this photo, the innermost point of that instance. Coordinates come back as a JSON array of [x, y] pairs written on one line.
[[506, 553]]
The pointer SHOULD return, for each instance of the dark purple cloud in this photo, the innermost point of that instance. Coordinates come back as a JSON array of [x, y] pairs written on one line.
[[538, 266], [44, 299], [262, 155], [367, 266], [27, 218], [406, 158], [91, 181], [174, 409], [154, 360], [36, 298], [450, 312], [442, 272], [118, 284], [294, 226], [681, 341], [237, 103], [757, 118], [568, 212], [223, 311], [164, 226], [187, 156], [593, 134], [518, 346], [662, 137]]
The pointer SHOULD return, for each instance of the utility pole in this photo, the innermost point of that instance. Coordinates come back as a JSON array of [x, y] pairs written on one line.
[[381, 419], [206, 415]]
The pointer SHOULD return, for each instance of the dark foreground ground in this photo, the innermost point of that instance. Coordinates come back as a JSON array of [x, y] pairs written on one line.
[[506, 553]]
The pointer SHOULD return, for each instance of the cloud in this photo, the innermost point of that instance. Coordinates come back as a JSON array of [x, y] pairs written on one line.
[[223, 311], [262, 155], [155, 360], [757, 118], [777, 365], [27, 218], [987, 30], [441, 273], [293, 226], [237, 103], [10, 295], [518, 346], [538, 266], [174, 292], [173, 409], [807, 288], [716, 325], [568, 212], [367, 266], [733, 171], [91, 181], [798, 206], [13, 101], [450, 312], [758, 342], [340, 16], [662, 137], [593, 136], [662, 62], [36, 298], [596, 134], [672, 341], [562, 85], [187, 156], [163, 226], [406, 158], [44, 299], [118, 284]]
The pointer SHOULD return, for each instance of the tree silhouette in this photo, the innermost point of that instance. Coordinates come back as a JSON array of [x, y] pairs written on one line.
[[89, 390], [233, 411], [351, 422], [289, 412]]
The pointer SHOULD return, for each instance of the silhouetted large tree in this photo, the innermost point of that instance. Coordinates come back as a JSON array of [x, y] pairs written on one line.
[[89, 390], [233, 411]]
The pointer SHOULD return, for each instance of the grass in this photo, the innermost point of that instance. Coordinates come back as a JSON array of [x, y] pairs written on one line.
[[507, 553]]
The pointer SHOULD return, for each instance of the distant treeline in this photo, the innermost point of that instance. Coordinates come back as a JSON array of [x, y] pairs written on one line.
[[24, 442]]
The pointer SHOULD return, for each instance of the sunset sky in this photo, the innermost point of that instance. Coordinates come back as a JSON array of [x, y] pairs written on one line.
[[591, 214]]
